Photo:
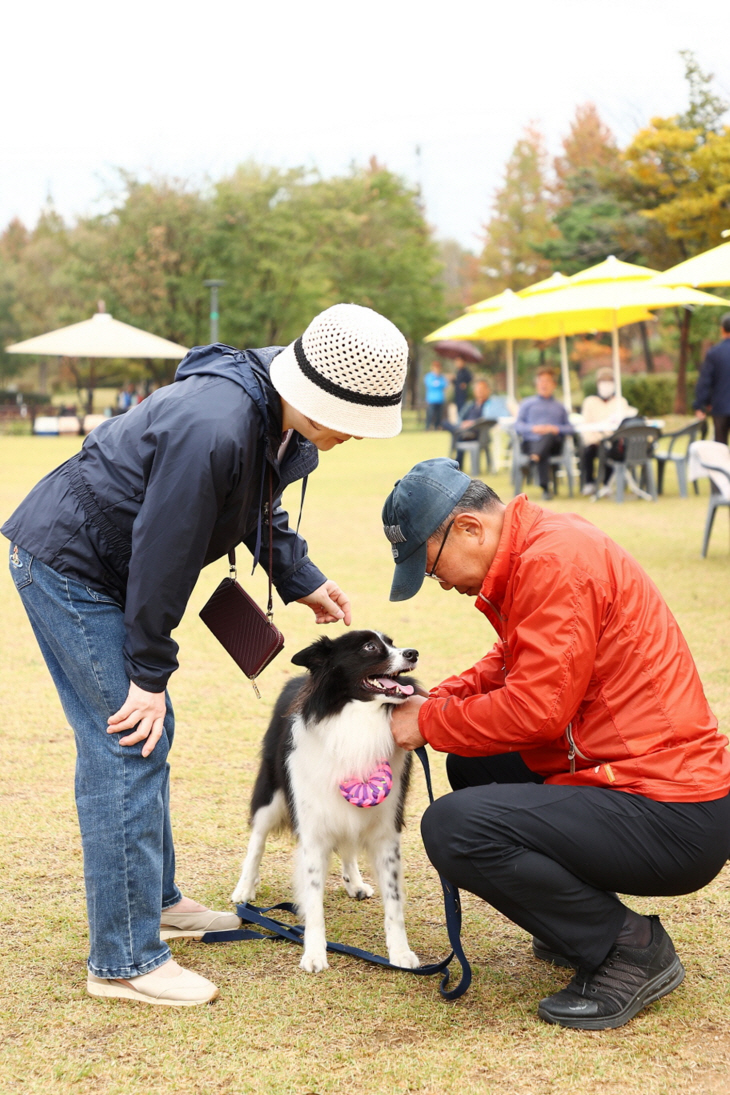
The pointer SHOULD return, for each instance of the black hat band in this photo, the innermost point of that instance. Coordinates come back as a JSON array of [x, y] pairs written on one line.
[[335, 389]]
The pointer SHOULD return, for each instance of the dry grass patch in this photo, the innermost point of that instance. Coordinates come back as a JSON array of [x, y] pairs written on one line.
[[276, 1030]]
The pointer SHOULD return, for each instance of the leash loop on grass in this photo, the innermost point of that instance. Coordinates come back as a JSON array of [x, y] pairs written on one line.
[[294, 933]]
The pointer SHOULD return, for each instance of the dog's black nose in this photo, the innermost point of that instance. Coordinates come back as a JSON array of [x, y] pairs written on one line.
[[411, 655]]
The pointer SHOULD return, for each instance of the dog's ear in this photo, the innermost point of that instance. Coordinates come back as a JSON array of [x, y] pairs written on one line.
[[315, 656]]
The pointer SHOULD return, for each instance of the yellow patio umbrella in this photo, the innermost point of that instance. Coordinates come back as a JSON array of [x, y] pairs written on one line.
[[555, 281], [531, 315], [709, 268], [505, 299], [609, 304]]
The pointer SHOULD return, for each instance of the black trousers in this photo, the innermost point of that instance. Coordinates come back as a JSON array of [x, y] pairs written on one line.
[[552, 858], [721, 423], [550, 444]]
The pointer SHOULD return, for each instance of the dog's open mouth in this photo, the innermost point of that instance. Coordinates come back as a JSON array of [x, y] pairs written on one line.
[[388, 686]]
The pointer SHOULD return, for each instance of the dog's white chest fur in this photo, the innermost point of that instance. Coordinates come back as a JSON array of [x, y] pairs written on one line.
[[348, 745]]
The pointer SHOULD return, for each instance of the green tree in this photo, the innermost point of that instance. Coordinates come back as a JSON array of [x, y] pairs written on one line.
[[147, 257], [12, 243], [521, 220], [268, 239], [678, 172], [592, 221], [383, 254]]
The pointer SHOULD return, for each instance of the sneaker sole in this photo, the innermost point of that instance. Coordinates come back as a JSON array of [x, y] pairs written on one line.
[[176, 933], [664, 983], [124, 992]]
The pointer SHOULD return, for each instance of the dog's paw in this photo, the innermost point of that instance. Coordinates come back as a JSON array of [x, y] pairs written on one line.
[[359, 890], [244, 891], [314, 961], [405, 958]]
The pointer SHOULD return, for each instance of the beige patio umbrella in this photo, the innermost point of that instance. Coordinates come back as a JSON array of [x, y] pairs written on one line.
[[100, 336]]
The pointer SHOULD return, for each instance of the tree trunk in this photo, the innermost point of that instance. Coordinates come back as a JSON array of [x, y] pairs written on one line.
[[648, 356], [680, 399], [91, 385]]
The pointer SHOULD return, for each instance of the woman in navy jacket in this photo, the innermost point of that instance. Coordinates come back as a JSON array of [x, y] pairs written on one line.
[[105, 552]]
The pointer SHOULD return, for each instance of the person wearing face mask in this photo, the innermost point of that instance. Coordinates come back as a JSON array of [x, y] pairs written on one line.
[[603, 407], [105, 552]]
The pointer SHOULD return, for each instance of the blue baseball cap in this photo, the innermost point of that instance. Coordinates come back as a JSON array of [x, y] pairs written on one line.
[[414, 509]]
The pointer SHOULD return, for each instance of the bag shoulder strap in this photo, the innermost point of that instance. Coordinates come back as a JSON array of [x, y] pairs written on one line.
[[233, 570]]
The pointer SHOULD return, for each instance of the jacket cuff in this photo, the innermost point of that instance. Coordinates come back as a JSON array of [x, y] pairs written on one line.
[[299, 581], [146, 680], [151, 684]]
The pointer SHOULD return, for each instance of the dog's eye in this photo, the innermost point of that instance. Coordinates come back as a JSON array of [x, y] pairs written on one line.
[[371, 648]]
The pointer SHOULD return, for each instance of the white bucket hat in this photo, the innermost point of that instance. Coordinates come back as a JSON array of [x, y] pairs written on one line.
[[347, 372]]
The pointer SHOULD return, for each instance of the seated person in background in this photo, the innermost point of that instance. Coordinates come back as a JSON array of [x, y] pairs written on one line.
[[435, 384], [484, 405], [600, 408], [542, 426]]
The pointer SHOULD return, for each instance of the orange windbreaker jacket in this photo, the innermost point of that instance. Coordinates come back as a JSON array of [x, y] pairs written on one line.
[[592, 681]]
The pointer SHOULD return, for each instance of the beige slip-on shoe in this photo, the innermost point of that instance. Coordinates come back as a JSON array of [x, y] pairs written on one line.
[[184, 990], [193, 925]]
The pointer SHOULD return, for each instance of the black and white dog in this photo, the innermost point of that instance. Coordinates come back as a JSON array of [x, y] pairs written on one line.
[[329, 734]]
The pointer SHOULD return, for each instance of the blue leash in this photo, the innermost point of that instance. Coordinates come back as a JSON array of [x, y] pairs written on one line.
[[294, 933]]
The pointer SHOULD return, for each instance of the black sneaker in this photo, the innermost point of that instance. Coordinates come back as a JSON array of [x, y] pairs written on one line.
[[545, 954], [625, 982]]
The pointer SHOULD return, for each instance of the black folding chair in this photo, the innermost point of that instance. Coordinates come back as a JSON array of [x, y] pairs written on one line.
[[628, 454]]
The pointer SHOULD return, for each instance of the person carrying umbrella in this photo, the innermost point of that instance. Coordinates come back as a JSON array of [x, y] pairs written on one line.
[[105, 552]]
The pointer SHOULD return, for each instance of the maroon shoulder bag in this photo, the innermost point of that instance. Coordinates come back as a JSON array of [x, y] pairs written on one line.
[[239, 625]]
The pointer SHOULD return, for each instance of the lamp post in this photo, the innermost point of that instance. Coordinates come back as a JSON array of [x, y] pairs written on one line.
[[213, 284]]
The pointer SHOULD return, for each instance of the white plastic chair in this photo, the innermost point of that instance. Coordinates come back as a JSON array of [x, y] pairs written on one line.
[[711, 459]]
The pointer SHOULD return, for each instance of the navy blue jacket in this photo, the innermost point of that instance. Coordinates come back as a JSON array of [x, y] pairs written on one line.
[[713, 387], [158, 493]]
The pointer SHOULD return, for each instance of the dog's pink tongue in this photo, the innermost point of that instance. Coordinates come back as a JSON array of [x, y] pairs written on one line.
[[395, 686]]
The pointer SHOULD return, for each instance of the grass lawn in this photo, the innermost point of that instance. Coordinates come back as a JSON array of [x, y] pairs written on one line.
[[354, 1029]]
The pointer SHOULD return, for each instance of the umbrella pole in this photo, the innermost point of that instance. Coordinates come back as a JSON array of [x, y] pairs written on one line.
[[565, 374], [510, 373], [616, 358]]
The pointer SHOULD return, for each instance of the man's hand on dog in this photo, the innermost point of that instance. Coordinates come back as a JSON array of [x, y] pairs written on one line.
[[329, 604], [404, 723]]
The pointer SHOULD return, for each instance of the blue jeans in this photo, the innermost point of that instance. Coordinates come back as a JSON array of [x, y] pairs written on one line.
[[122, 797]]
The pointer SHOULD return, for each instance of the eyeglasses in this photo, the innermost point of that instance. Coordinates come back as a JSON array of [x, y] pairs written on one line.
[[432, 572]]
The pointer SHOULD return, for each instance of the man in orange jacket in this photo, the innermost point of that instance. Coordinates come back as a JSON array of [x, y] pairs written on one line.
[[583, 755]]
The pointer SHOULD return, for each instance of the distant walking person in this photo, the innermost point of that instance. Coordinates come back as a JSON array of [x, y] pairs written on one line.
[[436, 384], [462, 379], [712, 394]]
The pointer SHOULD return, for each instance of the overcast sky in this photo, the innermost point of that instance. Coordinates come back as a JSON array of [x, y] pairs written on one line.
[[193, 89]]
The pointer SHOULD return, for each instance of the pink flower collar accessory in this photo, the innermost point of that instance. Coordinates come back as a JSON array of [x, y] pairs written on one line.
[[371, 791]]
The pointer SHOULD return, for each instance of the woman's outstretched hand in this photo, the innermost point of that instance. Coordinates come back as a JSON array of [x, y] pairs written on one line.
[[144, 711], [329, 604]]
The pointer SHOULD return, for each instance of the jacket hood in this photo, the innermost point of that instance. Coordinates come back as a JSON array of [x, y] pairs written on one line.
[[247, 368]]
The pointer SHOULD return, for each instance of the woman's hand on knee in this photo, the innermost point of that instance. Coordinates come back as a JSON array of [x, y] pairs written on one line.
[[144, 713]]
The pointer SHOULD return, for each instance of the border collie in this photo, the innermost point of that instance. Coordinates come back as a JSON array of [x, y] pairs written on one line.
[[326, 766]]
